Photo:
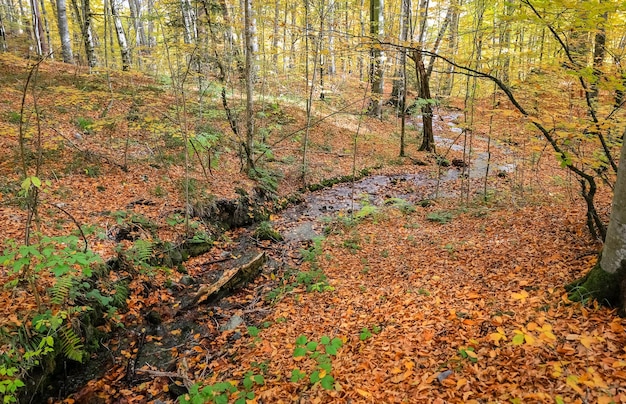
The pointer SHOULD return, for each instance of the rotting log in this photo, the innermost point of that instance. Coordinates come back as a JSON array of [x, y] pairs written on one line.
[[230, 279]]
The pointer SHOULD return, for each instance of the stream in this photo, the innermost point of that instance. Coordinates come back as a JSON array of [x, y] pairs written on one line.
[[298, 224]]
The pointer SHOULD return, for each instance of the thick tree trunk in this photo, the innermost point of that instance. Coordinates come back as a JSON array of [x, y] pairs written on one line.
[[606, 282], [64, 32]]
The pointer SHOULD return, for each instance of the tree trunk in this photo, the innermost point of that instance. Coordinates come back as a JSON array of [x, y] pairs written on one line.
[[84, 15], [453, 43], [606, 282], [250, 73], [599, 52], [397, 89], [64, 32], [121, 37], [376, 58], [38, 30], [428, 139], [3, 36]]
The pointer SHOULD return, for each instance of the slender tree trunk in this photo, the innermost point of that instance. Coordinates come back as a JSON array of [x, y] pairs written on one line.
[[121, 37], [250, 78], [331, 68], [428, 139], [38, 29], [599, 52], [275, 33], [189, 21], [84, 15], [3, 35], [453, 43], [140, 34], [397, 89], [46, 26], [64, 32], [376, 58]]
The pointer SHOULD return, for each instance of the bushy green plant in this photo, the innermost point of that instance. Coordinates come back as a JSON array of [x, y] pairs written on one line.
[[49, 331], [442, 217], [322, 353]]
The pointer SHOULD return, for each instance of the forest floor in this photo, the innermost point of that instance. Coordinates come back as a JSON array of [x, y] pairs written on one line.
[[413, 298]]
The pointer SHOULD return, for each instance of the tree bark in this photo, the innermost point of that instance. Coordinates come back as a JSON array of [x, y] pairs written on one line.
[[121, 37], [397, 89], [38, 30], [64, 32], [606, 282], [250, 73], [376, 58]]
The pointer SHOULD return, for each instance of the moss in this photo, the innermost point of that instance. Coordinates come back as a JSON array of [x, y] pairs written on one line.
[[597, 284]]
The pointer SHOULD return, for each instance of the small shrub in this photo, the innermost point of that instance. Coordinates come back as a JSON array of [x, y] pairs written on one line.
[[84, 124], [442, 217]]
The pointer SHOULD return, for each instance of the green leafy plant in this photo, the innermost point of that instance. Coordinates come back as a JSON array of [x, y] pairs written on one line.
[[321, 352], [84, 124], [366, 333], [468, 353], [221, 392], [401, 204], [442, 217], [265, 231]]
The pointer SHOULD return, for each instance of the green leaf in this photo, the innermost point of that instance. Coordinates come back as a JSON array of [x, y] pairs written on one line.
[[518, 339], [325, 340], [315, 377], [337, 342], [311, 346], [297, 375], [253, 331], [301, 340], [221, 399], [259, 379], [299, 351], [250, 395], [247, 382], [328, 382], [331, 350]]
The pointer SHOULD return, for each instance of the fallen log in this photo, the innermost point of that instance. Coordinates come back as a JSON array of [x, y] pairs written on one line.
[[230, 279]]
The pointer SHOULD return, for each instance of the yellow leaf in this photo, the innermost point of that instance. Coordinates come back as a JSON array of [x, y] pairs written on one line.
[[530, 340], [322, 373], [395, 371], [520, 296], [364, 393], [471, 354], [461, 383], [586, 341], [605, 400], [175, 332], [496, 337], [572, 381], [532, 326]]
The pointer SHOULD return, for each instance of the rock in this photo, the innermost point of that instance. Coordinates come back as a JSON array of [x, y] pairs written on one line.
[[187, 280], [234, 322], [444, 375], [303, 232]]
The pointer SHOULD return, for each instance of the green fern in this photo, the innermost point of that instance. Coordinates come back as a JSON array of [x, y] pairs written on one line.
[[71, 344], [61, 289], [122, 292], [141, 252]]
